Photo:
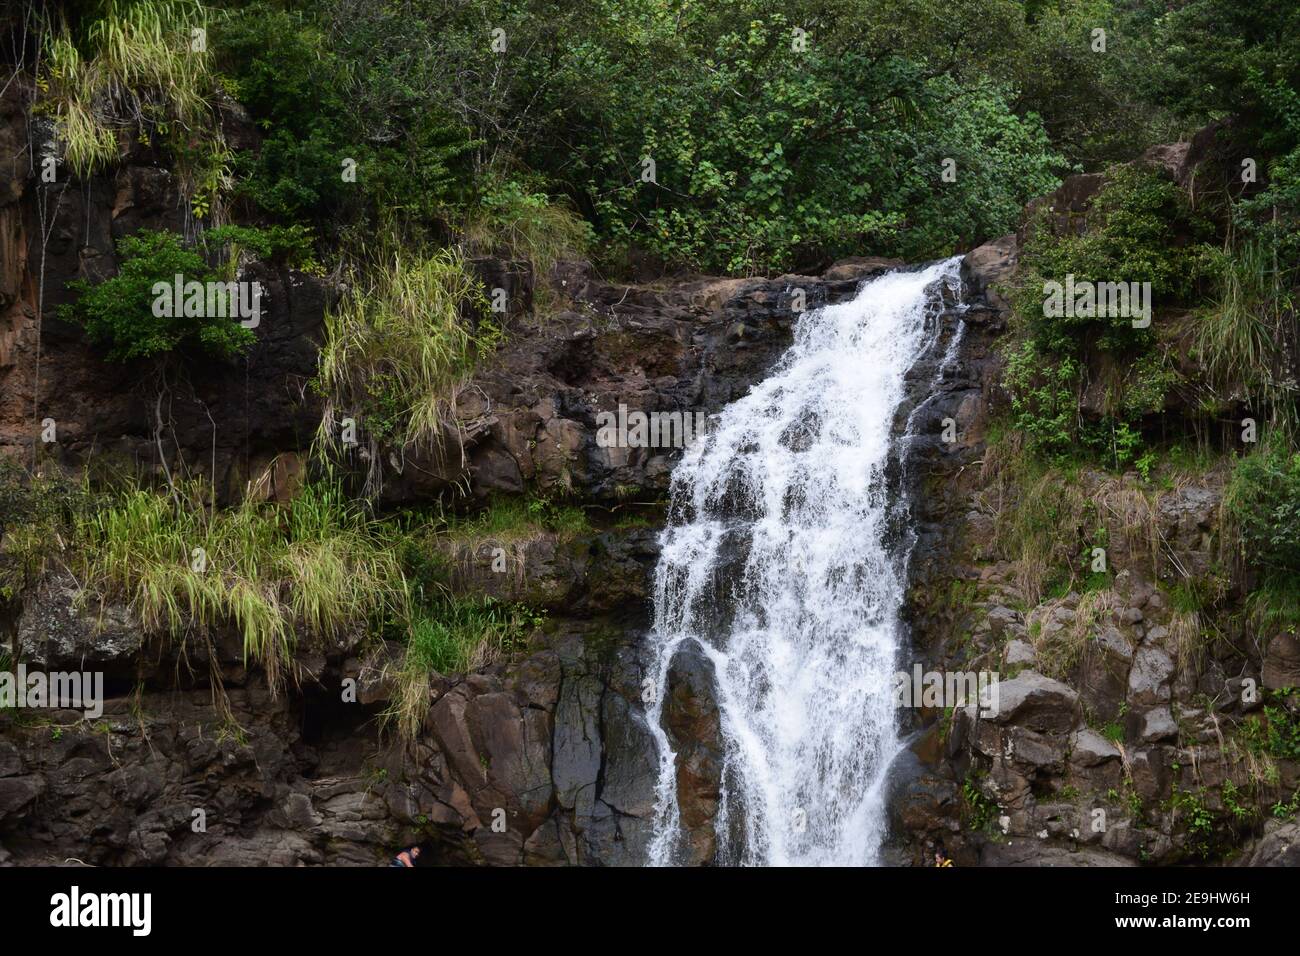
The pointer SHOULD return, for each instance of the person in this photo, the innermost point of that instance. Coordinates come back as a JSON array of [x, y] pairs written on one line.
[[940, 858], [407, 857]]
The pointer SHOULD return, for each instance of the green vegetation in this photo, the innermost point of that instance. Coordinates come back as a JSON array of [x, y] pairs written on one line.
[[1221, 255], [35, 515], [981, 813], [512, 219], [118, 314], [320, 567], [287, 245], [398, 348], [1240, 337], [517, 519], [1048, 524], [452, 637], [343, 88], [1138, 227], [782, 139], [467, 635], [1198, 822], [125, 68], [1264, 498], [1140, 230], [1276, 733]]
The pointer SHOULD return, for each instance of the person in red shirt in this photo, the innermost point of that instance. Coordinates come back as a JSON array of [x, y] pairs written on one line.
[[407, 857]]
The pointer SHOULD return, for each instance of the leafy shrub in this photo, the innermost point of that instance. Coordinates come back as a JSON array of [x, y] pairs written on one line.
[[1264, 497], [766, 161], [118, 313], [1275, 733], [1140, 229], [289, 245], [36, 516], [1043, 398], [348, 89]]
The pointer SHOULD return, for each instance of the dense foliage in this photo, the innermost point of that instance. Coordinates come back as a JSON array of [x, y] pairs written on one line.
[[119, 312]]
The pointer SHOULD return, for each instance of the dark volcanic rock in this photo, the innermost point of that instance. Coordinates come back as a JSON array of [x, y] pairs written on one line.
[[694, 728]]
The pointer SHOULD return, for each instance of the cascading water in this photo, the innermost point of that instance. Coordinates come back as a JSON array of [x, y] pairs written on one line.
[[777, 561]]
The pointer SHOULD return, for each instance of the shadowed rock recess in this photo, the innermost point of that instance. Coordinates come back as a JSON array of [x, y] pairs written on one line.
[[548, 759]]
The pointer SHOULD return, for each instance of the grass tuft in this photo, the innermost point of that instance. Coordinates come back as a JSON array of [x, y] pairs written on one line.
[[398, 350], [319, 567]]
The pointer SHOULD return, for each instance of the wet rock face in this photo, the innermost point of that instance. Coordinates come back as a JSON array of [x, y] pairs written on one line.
[[694, 727], [547, 763]]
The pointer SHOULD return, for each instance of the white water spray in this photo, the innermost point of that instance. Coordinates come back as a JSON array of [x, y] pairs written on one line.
[[776, 561]]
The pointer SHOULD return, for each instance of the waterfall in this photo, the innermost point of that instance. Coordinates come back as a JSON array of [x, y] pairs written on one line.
[[777, 560]]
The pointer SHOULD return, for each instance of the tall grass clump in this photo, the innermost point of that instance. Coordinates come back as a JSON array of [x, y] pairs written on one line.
[[136, 66], [454, 636], [317, 568], [398, 349], [1246, 336]]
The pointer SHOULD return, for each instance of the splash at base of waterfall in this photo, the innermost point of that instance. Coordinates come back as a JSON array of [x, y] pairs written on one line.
[[777, 562]]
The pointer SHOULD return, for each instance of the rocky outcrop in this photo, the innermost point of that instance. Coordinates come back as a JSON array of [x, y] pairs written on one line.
[[694, 726], [529, 419], [1128, 728], [545, 761]]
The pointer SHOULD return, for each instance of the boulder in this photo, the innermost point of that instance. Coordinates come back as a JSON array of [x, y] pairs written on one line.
[[694, 726], [1036, 702], [1279, 846], [1089, 748], [1282, 662], [1149, 677]]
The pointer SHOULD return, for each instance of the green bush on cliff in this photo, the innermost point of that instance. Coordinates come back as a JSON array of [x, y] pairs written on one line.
[[1141, 229], [1264, 498], [118, 313]]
